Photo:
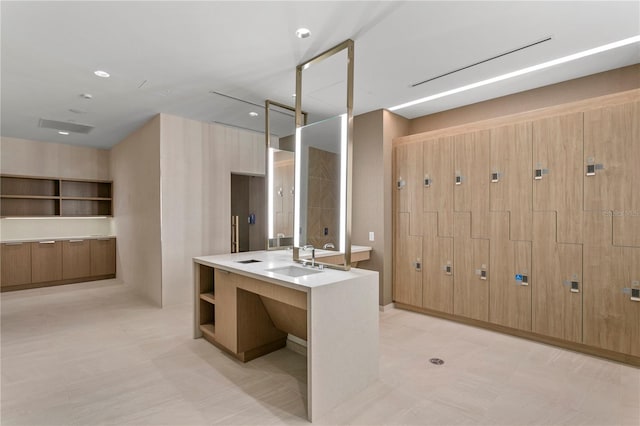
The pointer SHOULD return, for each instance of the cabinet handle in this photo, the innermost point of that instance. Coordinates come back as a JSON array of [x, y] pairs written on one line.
[[76, 241], [46, 242], [12, 244]]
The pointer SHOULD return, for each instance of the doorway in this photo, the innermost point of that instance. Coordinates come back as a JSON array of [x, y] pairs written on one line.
[[247, 213]]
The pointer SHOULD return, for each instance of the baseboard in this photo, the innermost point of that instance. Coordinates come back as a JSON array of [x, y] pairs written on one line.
[[387, 307], [297, 345]]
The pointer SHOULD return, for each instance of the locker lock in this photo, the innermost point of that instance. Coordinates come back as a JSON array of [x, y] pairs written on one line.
[[418, 265], [634, 291], [427, 181], [448, 269], [482, 272], [522, 279], [459, 179], [495, 177], [592, 167], [574, 286], [401, 183]]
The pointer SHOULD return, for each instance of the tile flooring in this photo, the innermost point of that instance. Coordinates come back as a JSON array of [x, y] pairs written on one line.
[[96, 354]]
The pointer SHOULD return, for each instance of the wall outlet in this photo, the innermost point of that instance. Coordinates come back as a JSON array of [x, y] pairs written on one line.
[[371, 236]]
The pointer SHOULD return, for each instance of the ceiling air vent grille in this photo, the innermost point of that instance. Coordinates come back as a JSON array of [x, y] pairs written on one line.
[[65, 126]]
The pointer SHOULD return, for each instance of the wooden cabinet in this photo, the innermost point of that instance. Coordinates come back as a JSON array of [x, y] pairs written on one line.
[[103, 256], [42, 196], [437, 184], [46, 261], [16, 264], [437, 273], [408, 172], [558, 153], [226, 319], [510, 177], [55, 262], [407, 263], [76, 259], [472, 153]]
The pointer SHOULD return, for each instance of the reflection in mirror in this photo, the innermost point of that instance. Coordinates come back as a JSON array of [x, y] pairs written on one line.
[[321, 177]]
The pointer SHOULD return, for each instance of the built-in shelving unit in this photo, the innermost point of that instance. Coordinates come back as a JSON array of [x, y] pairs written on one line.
[[46, 196], [207, 311]]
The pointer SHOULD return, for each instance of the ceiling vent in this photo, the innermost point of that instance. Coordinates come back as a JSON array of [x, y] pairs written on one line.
[[65, 126]]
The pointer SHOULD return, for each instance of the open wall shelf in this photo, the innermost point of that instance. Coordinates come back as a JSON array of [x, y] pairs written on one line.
[[25, 196]]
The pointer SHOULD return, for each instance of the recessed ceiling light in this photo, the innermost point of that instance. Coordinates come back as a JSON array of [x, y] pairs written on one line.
[[522, 71], [86, 95], [253, 114], [303, 33], [102, 74], [63, 133]]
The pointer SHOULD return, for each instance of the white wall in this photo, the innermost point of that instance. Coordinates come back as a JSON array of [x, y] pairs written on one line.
[[33, 158], [196, 162], [135, 166]]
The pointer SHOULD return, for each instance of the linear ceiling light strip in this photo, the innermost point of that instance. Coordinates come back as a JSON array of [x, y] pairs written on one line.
[[548, 64], [483, 61]]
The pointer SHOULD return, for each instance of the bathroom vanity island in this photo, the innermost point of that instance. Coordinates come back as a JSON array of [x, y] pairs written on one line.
[[249, 303]]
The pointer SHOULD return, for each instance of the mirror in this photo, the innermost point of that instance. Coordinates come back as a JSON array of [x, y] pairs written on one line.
[[323, 149], [280, 143]]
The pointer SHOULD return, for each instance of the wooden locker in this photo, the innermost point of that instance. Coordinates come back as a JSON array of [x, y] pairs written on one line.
[[611, 318], [611, 138], [409, 183], [437, 275], [438, 188], [472, 155], [511, 184], [509, 299], [407, 265], [471, 258], [558, 149], [556, 310]]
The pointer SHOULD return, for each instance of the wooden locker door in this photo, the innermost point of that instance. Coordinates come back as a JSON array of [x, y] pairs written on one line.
[[472, 156], [46, 261], [438, 192], [16, 264], [408, 184], [407, 265], [611, 318], [611, 138], [103, 256], [470, 258], [509, 299], [76, 259], [511, 184], [558, 148], [437, 275]]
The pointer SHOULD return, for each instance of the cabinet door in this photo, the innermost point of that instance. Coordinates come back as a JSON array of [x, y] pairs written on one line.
[[407, 270], [611, 317], [471, 279], [511, 182], [510, 298], [408, 184], [76, 259], [46, 261], [438, 188], [558, 149], [103, 257], [16, 264], [437, 279], [556, 307], [471, 179], [226, 319]]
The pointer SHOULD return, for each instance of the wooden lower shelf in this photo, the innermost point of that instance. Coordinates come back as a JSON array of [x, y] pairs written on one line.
[[209, 330], [208, 297]]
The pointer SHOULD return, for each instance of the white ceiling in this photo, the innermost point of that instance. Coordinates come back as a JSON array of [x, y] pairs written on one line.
[[168, 57]]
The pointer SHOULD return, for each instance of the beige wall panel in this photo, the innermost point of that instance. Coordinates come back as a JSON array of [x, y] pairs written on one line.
[[556, 311], [558, 147], [611, 138], [437, 283], [438, 197], [511, 154], [471, 293], [408, 168], [407, 282], [611, 319], [472, 163], [510, 302], [626, 228]]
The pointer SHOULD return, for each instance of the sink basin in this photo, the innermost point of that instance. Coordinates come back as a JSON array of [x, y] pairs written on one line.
[[294, 271]]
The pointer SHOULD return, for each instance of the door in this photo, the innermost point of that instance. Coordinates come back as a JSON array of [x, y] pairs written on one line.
[[103, 256], [437, 273], [16, 264], [46, 261], [76, 259], [438, 184], [248, 227], [407, 270], [408, 174]]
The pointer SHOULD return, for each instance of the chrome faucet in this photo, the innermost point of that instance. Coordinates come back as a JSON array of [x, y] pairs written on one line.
[[328, 246], [313, 254]]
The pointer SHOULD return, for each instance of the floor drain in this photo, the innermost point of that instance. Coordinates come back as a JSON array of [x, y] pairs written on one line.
[[436, 361]]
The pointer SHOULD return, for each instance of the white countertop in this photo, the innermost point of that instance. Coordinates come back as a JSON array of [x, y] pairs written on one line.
[[277, 259], [34, 240]]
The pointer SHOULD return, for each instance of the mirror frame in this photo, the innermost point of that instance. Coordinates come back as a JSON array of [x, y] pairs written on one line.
[[267, 141], [349, 46]]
